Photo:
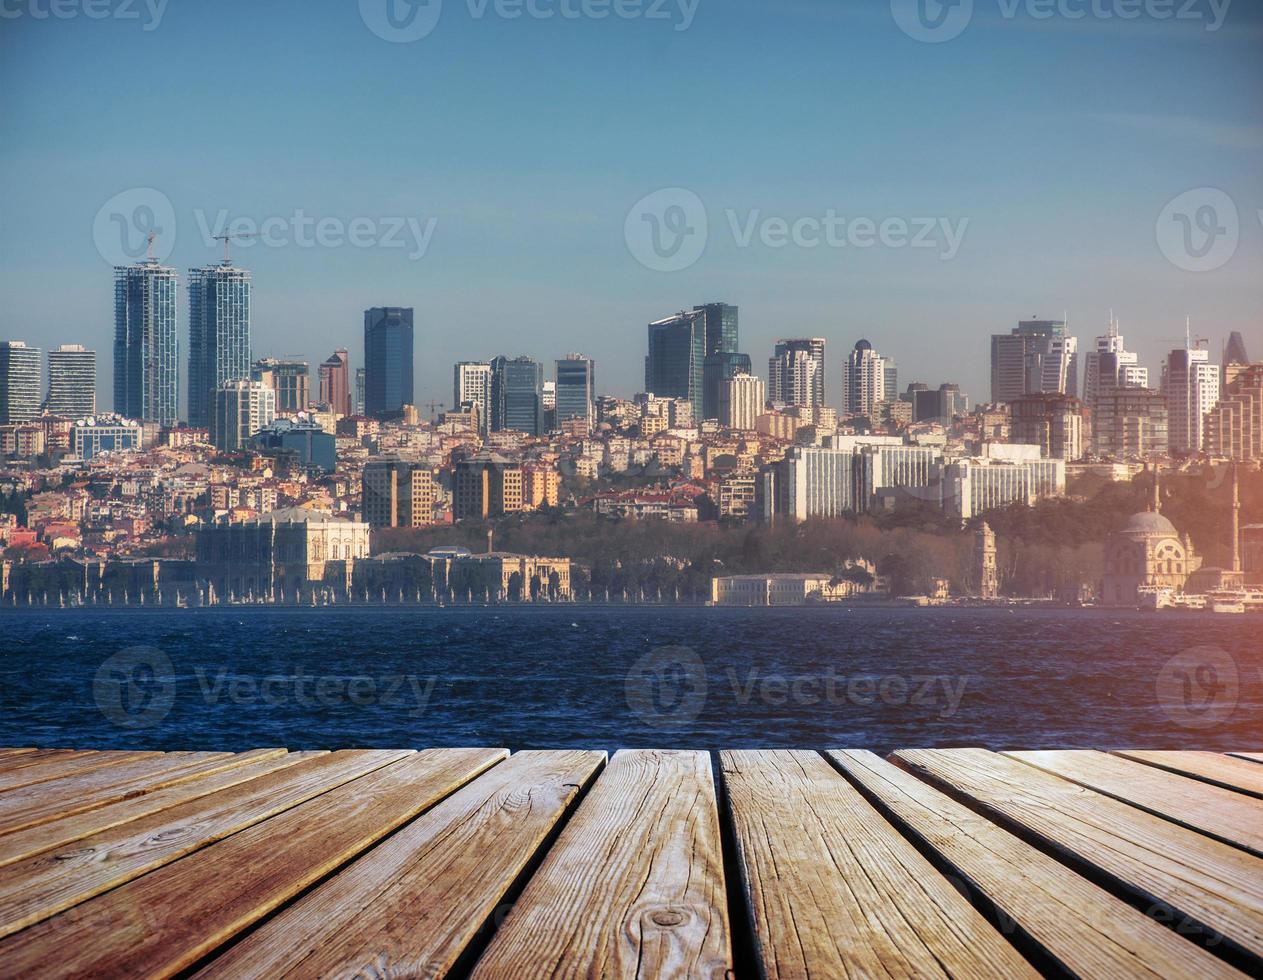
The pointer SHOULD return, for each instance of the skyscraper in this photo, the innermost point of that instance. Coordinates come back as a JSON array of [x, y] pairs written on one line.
[[19, 382], [741, 401], [361, 383], [219, 334], [796, 372], [71, 381], [1190, 385], [471, 384], [1036, 357], [716, 369], [720, 323], [576, 388], [677, 350], [290, 379], [1111, 365], [868, 379], [239, 409], [1234, 352], [335, 382], [1234, 427], [146, 343], [517, 395], [388, 370]]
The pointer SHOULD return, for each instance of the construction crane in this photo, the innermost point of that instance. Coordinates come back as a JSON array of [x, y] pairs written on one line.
[[432, 407], [229, 237]]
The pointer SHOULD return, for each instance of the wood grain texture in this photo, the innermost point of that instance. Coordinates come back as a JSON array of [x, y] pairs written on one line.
[[1212, 767], [1081, 926], [1223, 814], [633, 887], [164, 922], [66, 830], [30, 806], [834, 890], [62, 766], [1204, 880], [38, 887], [1248, 756], [19, 758], [411, 906]]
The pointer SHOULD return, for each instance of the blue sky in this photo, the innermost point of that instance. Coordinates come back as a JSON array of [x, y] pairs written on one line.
[[527, 141]]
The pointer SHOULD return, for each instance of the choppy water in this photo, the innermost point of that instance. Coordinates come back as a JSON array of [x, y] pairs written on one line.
[[622, 677]]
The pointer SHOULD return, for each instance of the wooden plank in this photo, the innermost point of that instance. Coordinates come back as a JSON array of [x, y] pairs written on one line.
[[411, 906], [1212, 767], [29, 806], [1227, 816], [61, 766], [1249, 756], [169, 919], [8, 755], [1204, 880], [634, 885], [835, 890], [1084, 928], [65, 830], [38, 887], [30, 758]]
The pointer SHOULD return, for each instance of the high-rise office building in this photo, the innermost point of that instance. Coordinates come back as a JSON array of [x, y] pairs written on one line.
[[1234, 351], [517, 395], [239, 409], [71, 381], [290, 379], [576, 389], [335, 382], [868, 379], [1052, 422], [20, 373], [388, 370], [1130, 423], [146, 343], [741, 401], [1190, 384], [471, 385], [796, 372], [674, 364], [720, 325], [1038, 357], [219, 334], [716, 369], [397, 493], [361, 383], [1111, 365]]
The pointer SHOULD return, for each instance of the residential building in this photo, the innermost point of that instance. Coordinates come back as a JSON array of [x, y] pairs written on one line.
[[517, 395], [309, 443], [94, 435], [1052, 422], [239, 410], [219, 334], [576, 389], [335, 382], [1190, 384], [716, 369], [471, 384], [71, 381], [20, 376], [796, 372], [486, 485], [1234, 427], [741, 401], [388, 366], [289, 378], [677, 351], [541, 486], [397, 493], [868, 379], [1130, 423], [146, 343]]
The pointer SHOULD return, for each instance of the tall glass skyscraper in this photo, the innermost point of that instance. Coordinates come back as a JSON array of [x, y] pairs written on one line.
[[387, 360], [576, 388], [71, 381], [146, 344], [517, 395], [721, 327], [219, 334], [677, 350]]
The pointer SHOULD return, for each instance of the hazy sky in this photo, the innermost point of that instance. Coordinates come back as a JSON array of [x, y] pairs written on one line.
[[521, 144]]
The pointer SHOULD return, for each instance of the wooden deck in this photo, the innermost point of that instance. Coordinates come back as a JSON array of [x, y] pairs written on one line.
[[929, 863]]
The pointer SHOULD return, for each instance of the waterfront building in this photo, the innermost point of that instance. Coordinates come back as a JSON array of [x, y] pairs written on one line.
[[1036, 357], [1234, 427], [675, 362], [471, 384], [986, 567], [517, 395], [388, 366], [335, 382], [1052, 422], [309, 443], [146, 343], [976, 485], [500, 576], [486, 485], [398, 493], [796, 372], [219, 334], [1145, 555], [868, 380], [20, 375], [1110, 366], [1190, 384], [239, 410], [289, 378], [858, 577], [576, 389], [71, 381], [741, 401], [1130, 423], [94, 435]]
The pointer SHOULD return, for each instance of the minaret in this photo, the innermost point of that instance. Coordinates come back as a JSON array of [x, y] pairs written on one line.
[[1236, 522], [1157, 492]]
